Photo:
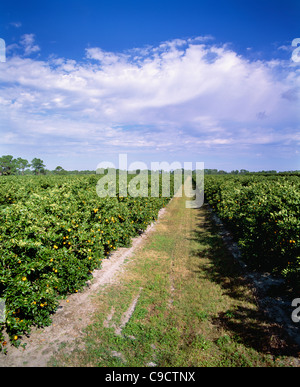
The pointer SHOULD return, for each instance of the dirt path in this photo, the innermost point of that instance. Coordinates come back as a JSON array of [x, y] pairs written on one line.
[[73, 314]]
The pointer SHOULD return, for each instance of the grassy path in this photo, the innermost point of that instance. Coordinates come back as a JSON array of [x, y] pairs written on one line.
[[179, 301]]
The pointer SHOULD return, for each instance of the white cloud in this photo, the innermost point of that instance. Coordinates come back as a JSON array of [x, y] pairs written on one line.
[[106, 58], [26, 45], [27, 41], [184, 91]]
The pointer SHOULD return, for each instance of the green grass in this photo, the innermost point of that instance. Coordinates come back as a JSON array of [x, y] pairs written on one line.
[[194, 307]]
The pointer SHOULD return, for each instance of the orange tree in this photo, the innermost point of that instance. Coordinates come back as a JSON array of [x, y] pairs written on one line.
[[54, 232], [263, 212]]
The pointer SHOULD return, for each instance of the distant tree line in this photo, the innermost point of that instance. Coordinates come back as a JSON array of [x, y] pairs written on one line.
[[11, 166], [19, 166], [245, 172]]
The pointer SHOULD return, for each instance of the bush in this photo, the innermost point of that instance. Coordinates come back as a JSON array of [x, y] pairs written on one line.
[[55, 231], [264, 215]]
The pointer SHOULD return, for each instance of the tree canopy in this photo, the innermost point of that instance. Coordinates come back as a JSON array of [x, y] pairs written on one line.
[[11, 166], [38, 166]]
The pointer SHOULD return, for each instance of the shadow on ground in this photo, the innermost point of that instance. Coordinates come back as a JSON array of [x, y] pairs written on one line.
[[249, 326]]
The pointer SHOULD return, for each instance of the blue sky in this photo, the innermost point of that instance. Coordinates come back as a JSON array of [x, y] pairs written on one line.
[[207, 81]]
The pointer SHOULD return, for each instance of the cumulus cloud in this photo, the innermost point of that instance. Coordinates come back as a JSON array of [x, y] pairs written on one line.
[[187, 93]]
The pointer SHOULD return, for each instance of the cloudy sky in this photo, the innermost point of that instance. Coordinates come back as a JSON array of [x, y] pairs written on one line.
[[160, 80]]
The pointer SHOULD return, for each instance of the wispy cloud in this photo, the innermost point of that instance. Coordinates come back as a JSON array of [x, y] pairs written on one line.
[[27, 41], [16, 24], [25, 47]]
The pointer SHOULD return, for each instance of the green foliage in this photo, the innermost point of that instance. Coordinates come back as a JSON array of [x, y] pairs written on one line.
[[37, 165], [7, 165], [263, 212], [54, 232]]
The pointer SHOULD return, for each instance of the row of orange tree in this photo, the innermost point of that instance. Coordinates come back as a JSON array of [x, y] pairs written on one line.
[[54, 232], [263, 212]]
